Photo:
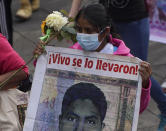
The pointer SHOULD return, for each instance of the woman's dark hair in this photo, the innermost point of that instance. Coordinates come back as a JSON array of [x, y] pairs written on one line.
[[96, 14]]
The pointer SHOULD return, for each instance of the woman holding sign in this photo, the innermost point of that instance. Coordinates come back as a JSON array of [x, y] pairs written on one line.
[[96, 34]]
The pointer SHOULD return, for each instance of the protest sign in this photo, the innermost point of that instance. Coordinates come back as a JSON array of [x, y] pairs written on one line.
[[76, 89], [158, 21]]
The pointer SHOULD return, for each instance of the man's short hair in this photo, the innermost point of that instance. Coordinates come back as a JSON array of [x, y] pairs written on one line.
[[85, 91]]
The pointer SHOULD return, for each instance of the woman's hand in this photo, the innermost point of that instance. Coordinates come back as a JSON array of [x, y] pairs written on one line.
[[145, 72], [40, 48]]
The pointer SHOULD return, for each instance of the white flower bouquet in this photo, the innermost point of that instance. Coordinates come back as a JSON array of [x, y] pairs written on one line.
[[58, 25]]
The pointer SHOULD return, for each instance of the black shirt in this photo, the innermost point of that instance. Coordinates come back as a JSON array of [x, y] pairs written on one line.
[[125, 10]]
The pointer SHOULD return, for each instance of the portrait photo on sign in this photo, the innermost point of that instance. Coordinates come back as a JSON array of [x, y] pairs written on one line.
[[71, 101], [76, 90]]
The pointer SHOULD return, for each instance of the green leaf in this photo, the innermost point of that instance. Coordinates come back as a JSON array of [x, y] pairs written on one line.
[[71, 19], [64, 12], [59, 37], [46, 37], [71, 25], [69, 29], [73, 38], [64, 34]]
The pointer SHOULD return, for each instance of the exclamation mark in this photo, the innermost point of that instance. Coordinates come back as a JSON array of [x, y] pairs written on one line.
[[50, 60], [136, 69]]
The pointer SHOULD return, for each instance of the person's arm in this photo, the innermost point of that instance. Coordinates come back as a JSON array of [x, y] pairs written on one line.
[[74, 8], [145, 72], [145, 97], [10, 61], [14, 81]]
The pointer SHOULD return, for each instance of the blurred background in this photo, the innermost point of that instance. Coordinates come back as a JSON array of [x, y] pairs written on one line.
[[26, 35]]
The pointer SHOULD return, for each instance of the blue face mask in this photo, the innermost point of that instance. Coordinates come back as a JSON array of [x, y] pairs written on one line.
[[88, 42]]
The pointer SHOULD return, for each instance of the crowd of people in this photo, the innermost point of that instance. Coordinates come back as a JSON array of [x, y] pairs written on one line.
[[109, 27]]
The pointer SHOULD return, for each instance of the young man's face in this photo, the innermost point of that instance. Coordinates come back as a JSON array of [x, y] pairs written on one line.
[[82, 115]]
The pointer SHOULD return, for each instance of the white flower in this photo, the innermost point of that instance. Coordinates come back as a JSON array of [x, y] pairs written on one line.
[[56, 20]]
